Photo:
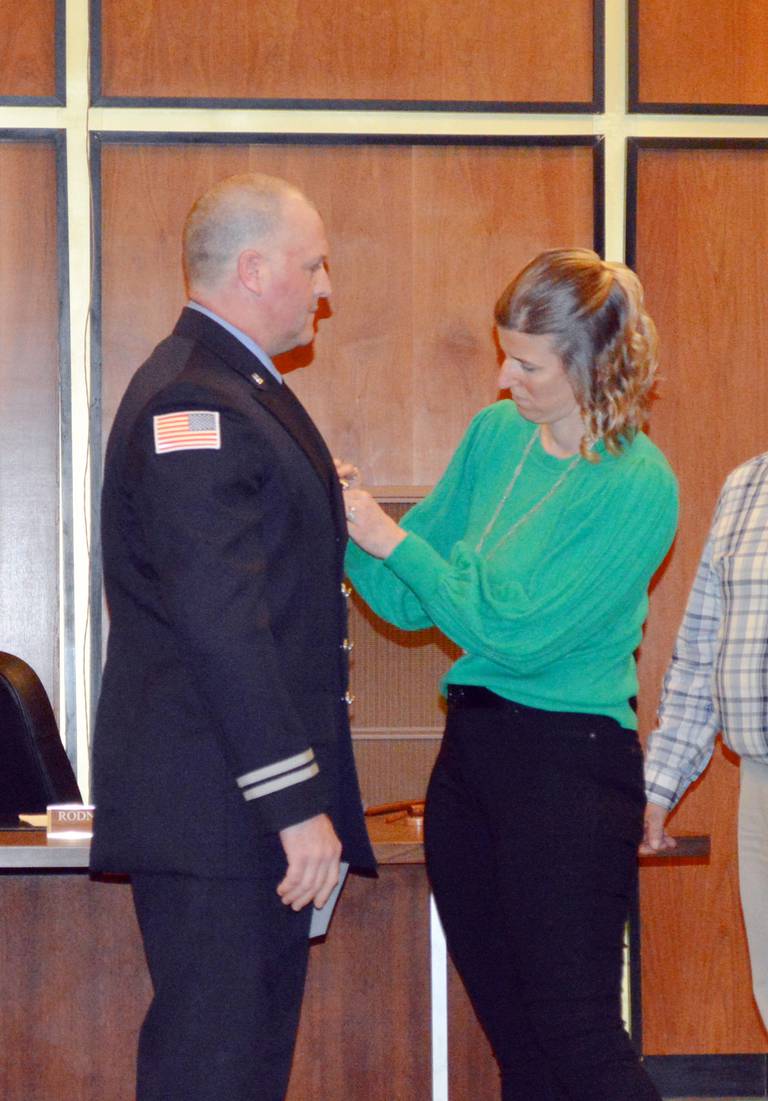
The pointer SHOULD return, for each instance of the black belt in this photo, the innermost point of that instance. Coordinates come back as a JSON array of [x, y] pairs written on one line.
[[482, 699], [473, 695]]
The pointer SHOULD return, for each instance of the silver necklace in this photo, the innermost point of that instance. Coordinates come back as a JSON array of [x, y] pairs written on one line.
[[534, 507]]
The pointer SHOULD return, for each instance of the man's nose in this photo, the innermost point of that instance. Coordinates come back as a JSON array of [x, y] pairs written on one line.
[[323, 287]]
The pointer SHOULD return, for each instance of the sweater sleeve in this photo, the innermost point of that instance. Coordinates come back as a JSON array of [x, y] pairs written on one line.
[[440, 520], [595, 572]]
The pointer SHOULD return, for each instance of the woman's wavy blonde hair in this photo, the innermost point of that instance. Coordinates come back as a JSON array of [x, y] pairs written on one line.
[[593, 311]]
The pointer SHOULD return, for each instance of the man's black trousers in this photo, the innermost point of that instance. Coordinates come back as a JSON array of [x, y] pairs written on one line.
[[228, 962]]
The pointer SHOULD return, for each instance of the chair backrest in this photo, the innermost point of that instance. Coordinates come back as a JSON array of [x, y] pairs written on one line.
[[34, 767]]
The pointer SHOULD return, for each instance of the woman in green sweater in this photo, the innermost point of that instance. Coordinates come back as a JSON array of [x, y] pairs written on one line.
[[534, 553]]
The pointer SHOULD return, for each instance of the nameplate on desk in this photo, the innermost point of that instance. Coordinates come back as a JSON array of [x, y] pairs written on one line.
[[69, 822]]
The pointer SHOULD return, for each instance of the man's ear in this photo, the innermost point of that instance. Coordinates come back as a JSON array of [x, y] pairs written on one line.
[[251, 270]]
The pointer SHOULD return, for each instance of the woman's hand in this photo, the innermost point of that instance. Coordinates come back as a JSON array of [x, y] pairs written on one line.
[[347, 472], [369, 525]]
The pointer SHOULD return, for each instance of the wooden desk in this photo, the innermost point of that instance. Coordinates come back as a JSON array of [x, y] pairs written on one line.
[[30, 850], [73, 981], [381, 1002], [74, 986]]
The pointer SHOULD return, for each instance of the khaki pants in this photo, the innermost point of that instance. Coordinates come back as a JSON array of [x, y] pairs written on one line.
[[753, 873]]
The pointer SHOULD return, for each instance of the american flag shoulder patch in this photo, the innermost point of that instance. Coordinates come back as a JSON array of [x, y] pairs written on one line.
[[193, 430]]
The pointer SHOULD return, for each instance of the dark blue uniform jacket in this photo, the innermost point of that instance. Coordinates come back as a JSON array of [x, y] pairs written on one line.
[[222, 715]]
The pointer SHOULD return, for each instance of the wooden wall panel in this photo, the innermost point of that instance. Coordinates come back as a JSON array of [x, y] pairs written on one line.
[[479, 215], [28, 48], [29, 407], [702, 52], [704, 279], [393, 768], [422, 241], [406, 50], [363, 194]]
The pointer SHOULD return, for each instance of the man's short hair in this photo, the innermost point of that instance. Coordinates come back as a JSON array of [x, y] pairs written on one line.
[[239, 211]]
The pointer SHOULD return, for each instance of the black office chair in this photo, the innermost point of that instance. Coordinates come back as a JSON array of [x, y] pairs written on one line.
[[34, 767]]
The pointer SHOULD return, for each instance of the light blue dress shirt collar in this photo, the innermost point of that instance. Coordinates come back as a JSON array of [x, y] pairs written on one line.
[[251, 345]]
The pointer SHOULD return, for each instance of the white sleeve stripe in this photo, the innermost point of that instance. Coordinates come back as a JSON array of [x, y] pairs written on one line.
[[260, 790], [276, 769]]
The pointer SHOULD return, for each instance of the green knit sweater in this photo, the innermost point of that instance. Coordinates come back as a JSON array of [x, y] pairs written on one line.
[[550, 617]]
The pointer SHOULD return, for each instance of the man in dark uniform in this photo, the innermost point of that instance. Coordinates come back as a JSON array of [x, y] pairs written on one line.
[[223, 774]]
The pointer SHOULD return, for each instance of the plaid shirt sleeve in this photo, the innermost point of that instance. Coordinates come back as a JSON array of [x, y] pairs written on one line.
[[680, 747]]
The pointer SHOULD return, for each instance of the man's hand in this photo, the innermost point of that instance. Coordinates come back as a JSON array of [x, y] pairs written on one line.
[[313, 851], [655, 837]]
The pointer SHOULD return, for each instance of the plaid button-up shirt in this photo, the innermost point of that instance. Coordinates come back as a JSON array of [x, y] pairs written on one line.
[[718, 676]]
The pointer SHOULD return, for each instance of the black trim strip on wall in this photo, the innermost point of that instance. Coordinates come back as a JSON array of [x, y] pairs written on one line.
[[630, 201], [219, 137], [598, 194], [61, 52], [59, 97], [595, 106], [99, 139], [709, 1075], [637, 106], [633, 56], [700, 109], [66, 595]]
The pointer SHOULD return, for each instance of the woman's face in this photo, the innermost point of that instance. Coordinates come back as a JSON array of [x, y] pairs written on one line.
[[533, 373]]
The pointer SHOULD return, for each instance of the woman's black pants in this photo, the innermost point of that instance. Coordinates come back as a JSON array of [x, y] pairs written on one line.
[[532, 824]]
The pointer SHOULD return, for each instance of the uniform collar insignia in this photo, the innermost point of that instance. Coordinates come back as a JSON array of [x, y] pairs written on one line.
[[257, 379]]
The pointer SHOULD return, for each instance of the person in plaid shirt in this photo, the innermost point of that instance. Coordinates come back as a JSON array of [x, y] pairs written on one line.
[[717, 681]]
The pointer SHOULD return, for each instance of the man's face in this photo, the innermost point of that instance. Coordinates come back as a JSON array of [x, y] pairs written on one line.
[[295, 277]]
